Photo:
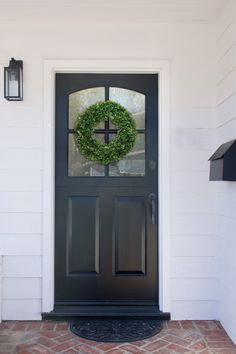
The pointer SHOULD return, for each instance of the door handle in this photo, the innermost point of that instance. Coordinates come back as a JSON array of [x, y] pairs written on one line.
[[152, 203]]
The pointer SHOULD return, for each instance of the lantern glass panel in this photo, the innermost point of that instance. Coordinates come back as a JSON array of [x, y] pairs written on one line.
[[13, 83]]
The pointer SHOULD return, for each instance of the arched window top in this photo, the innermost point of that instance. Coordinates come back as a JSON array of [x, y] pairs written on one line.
[[82, 99], [133, 101]]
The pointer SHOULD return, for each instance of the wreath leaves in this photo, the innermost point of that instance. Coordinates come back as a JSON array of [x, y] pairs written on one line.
[[95, 150]]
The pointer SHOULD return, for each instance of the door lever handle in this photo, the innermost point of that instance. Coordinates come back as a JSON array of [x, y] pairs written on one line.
[[152, 203]]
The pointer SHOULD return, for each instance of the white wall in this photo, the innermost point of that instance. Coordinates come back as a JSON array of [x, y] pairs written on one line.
[[194, 221], [226, 124]]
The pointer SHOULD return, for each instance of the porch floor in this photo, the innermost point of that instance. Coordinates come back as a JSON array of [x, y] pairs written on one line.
[[27, 337]]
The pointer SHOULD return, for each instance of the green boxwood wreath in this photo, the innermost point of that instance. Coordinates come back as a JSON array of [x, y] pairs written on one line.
[[95, 150]]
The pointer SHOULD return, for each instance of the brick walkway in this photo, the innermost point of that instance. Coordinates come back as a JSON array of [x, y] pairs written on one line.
[[25, 337]]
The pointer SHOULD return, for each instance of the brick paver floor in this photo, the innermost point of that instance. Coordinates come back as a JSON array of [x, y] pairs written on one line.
[[46, 337]]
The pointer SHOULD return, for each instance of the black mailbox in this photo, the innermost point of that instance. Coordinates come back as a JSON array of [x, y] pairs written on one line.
[[223, 163]]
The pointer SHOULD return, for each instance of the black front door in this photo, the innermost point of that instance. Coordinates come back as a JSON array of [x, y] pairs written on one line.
[[106, 215]]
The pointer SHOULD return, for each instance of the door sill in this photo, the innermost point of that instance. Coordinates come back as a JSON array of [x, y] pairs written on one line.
[[73, 312]]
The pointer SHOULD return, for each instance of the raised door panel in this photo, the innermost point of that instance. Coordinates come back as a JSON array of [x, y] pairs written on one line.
[[129, 236], [83, 235]]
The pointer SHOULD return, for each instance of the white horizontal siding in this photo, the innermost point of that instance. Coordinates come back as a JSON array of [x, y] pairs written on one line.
[[227, 131], [226, 41], [190, 203], [225, 18], [195, 289], [194, 118], [199, 224], [87, 11], [227, 228], [228, 248], [21, 288], [193, 139], [22, 180], [194, 224], [191, 51], [226, 200], [228, 319], [226, 223], [1, 287], [25, 309], [194, 246], [148, 41], [20, 159], [226, 110], [20, 137], [20, 244], [190, 160], [226, 275], [226, 88], [190, 310], [194, 267], [226, 65], [229, 293], [22, 266], [21, 115], [195, 76], [20, 202], [226, 116], [196, 97], [21, 223], [193, 182]]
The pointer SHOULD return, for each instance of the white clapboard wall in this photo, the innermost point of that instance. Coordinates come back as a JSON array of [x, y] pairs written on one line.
[[195, 224], [226, 129]]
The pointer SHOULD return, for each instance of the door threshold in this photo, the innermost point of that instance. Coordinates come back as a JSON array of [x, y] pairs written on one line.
[[73, 312]]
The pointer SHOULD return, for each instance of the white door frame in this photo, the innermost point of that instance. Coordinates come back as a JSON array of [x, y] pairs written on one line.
[[162, 67]]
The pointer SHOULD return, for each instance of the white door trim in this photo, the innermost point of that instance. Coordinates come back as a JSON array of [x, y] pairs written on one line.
[[162, 67]]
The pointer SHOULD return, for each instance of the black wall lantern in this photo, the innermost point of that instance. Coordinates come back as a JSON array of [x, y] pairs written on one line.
[[13, 80]]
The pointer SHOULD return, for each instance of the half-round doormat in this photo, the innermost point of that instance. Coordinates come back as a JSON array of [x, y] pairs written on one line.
[[122, 330]]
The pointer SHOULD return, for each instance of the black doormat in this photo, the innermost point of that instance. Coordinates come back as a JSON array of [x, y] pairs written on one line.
[[122, 330]]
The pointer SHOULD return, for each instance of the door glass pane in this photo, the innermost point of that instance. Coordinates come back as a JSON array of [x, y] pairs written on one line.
[[134, 162], [78, 165], [133, 101], [112, 126], [112, 136], [80, 100]]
